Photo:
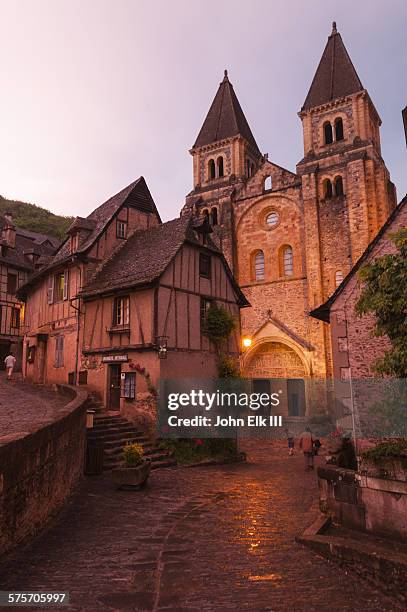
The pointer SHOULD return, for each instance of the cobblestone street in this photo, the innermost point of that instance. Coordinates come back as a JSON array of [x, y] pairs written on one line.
[[210, 538], [24, 408]]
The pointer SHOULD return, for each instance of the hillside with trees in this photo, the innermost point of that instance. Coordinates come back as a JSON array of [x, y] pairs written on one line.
[[35, 218]]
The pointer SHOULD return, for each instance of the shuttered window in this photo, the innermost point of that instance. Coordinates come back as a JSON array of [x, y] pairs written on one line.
[[60, 288], [50, 290], [59, 351], [15, 317]]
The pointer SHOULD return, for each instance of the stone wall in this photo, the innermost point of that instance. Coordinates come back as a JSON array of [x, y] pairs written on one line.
[[39, 471], [363, 501]]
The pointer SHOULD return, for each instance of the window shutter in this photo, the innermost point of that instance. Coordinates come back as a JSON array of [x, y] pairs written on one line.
[[50, 290], [66, 284]]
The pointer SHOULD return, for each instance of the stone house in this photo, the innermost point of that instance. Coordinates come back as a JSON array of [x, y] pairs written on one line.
[[21, 253], [122, 291], [291, 237], [354, 345]]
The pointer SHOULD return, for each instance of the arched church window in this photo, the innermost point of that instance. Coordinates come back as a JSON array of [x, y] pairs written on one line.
[[328, 192], [211, 169], [252, 169], [205, 214], [328, 135], [338, 277], [338, 129], [258, 262], [214, 216], [286, 260], [219, 162], [338, 186], [268, 183]]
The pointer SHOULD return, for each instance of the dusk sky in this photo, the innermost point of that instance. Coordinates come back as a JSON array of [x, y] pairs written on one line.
[[95, 93]]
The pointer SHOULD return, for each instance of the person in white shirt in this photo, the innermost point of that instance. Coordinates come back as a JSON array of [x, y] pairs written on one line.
[[10, 362]]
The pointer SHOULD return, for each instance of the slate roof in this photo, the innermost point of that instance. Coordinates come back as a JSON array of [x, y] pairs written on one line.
[[225, 119], [136, 195], [322, 312], [26, 241], [335, 77], [38, 238], [144, 256]]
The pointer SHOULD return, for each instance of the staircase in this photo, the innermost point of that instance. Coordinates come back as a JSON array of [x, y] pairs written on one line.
[[114, 432]]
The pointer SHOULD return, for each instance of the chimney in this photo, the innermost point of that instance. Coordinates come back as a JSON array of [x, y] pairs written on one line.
[[404, 113], [9, 231]]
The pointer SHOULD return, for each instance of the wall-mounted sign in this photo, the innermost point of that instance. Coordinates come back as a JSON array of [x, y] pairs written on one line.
[[114, 358]]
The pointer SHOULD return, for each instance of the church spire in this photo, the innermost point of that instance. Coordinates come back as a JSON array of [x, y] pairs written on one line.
[[335, 77], [225, 118]]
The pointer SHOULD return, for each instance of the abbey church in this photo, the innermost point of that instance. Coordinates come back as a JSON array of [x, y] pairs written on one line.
[[289, 237]]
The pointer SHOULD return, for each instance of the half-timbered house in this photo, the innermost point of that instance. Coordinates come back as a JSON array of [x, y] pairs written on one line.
[[124, 291], [21, 252], [145, 308], [54, 312]]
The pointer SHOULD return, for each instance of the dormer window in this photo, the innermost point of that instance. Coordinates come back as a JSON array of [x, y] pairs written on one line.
[[121, 229], [74, 242]]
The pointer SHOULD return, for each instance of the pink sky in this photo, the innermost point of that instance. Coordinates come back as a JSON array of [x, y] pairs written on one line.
[[95, 93]]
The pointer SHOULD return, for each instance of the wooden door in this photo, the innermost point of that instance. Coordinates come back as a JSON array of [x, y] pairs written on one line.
[[115, 371]]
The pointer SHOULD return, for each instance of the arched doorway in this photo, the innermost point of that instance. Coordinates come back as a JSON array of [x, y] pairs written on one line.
[[272, 360]]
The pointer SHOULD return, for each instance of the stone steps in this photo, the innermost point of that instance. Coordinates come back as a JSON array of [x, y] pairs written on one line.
[[114, 432]]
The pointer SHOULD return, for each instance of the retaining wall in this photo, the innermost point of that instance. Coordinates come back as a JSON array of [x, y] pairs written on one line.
[[39, 471]]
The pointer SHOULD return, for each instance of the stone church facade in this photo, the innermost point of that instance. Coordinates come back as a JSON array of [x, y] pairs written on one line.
[[291, 237]]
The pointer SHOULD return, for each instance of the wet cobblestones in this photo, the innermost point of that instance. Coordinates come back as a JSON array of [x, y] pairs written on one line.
[[208, 539]]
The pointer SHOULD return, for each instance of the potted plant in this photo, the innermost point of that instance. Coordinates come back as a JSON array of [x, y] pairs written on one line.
[[136, 469]]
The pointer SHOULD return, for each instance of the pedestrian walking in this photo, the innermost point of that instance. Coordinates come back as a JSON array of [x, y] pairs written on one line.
[[10, 362], [307, 446], [317, 446], [290, 442]]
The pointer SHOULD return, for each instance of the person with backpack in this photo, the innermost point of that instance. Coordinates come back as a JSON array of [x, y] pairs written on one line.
[[307, 446]]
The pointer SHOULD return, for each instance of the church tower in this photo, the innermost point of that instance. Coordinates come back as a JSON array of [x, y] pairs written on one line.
[[346, 187], [225, 155]]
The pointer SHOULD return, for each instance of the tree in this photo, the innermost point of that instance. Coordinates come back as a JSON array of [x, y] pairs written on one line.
[[384, 294]]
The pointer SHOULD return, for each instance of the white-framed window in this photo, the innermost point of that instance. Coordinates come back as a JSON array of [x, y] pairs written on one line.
[[58, 287], [121, 311], [121, 229]]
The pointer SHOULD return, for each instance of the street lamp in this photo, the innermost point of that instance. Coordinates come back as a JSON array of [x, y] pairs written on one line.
[[246, 342], [162, 342]]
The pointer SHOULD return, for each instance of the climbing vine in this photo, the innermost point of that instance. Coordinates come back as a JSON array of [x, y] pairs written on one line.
[[142, 370]]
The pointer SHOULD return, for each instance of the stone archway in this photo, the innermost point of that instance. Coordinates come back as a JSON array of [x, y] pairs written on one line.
[[273, 359]]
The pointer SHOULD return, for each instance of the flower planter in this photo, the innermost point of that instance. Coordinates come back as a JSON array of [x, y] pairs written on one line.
[[132, 477], [389, 468]]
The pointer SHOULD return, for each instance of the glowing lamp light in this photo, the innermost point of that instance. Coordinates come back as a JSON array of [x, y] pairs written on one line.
[[247, 342]]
